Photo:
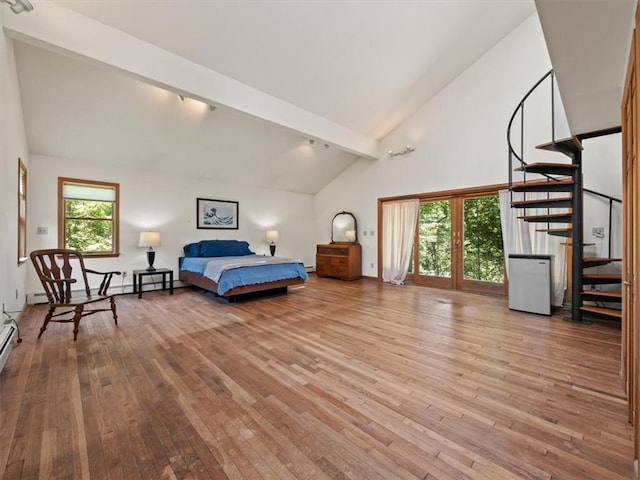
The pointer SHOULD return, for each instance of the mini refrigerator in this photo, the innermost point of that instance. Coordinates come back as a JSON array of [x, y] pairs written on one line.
[[530, 283]]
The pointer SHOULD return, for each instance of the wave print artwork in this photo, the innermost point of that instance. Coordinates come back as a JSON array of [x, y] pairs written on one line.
[[211, 218], [217, 213]]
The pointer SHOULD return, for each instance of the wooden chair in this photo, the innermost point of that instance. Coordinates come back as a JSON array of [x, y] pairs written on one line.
[[55, 270]]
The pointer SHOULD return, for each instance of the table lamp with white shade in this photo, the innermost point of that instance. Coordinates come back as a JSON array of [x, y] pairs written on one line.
[[272, 237], [150, 239]]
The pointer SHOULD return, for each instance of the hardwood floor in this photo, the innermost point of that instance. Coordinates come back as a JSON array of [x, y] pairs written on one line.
[[335, 380]]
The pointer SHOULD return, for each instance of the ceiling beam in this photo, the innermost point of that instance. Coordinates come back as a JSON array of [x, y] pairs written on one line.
[[64, 31]]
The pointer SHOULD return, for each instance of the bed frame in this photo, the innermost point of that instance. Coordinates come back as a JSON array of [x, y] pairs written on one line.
[[203, 282]]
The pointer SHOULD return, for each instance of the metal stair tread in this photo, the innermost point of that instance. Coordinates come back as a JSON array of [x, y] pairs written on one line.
[[556, 231], [603, 275], [566, 146], [562, 202], [601, 278], [606, 312], [598, 261], [604, 296], [544, 186], [552, 217], [543, 167]]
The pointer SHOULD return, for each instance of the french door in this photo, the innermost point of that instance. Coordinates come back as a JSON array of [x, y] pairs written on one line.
[[458, 243]]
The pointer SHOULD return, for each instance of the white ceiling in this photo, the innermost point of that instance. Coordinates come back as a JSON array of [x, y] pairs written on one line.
[[365, 65], [82, 111]]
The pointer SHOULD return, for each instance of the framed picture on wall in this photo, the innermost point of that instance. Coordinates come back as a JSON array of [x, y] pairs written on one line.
[[217, 214]]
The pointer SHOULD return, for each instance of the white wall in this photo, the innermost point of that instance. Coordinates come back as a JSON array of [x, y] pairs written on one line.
[[167, 203], [459, 138], [13, 146]]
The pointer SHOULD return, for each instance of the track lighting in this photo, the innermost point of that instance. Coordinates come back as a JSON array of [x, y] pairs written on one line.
[[183, 98], [18, 6], [312, 142], [404, 151]]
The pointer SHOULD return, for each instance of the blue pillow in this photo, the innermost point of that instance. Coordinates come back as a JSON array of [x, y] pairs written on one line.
[[224, 248], [192, 250]]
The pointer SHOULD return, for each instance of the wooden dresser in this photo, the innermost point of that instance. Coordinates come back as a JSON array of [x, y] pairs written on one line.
[[339, 260]]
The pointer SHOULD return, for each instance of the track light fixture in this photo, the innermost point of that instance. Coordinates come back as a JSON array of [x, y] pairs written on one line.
[[404, 151], [183, 98], [18, 6], [312, 142]]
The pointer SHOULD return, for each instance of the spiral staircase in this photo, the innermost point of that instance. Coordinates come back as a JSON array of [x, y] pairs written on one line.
[[593, 295]]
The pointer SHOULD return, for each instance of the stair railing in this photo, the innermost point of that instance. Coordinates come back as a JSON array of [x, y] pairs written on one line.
[[611, 202], [516, 159], [513, 153]]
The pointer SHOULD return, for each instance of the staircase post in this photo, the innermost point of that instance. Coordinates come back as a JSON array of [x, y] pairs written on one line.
[[577, 238]]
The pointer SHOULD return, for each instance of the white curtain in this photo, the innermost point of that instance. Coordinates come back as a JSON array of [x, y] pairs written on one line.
[[399, 219], [520, 237]]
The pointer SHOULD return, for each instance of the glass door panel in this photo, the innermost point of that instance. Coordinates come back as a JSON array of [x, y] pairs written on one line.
[[482, 252], [458, 244], [433, 238], [434, 221]]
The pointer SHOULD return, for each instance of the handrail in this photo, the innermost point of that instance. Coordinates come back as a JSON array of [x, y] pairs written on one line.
[[611, 200], [520, 107], [603, 195]]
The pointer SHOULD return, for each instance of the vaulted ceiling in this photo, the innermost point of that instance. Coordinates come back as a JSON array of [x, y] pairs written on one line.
[[361, 67], [281, 74]]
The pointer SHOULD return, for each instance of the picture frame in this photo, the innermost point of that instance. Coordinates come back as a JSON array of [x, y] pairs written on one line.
[[217, 214]]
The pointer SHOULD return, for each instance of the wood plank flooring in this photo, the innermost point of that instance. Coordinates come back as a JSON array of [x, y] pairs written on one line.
[[336, 380]]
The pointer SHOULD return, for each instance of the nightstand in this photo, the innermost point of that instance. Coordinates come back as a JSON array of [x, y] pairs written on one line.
[[139, 274]]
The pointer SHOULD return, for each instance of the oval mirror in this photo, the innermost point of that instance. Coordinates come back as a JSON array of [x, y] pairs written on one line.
[[344, 228]]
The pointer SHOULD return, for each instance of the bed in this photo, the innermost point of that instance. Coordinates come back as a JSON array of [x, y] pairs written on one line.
[[228, 268]]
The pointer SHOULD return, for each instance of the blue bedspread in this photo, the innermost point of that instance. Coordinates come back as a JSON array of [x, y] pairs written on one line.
[[246, 275]]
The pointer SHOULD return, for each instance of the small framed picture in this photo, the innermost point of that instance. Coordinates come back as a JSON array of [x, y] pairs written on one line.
[[217, 214]]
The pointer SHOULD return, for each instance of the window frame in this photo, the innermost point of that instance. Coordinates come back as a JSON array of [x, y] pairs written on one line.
[[116, 213]]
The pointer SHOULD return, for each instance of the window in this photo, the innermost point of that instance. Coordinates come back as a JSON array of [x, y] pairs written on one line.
[[22, 212], [88, 216]]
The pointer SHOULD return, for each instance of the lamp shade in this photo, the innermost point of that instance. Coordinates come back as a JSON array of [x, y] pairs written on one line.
[[351, 235], [273, 235], [149, 239]]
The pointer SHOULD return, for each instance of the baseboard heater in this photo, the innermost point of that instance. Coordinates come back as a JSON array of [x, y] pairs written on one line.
[[7, 334]]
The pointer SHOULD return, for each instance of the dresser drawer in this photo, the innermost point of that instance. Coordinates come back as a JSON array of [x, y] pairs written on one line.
[[325, 250]]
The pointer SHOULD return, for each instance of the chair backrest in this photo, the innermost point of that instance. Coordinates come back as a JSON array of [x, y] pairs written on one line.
[[55, 271]]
